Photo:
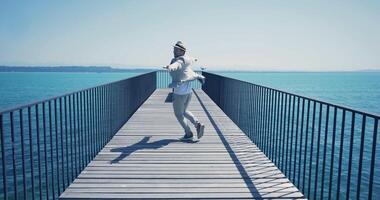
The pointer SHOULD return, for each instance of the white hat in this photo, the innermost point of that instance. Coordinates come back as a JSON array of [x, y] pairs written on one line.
[[180, 45]]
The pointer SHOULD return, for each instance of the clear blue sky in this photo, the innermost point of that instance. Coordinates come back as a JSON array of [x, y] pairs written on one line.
[[254, 35]]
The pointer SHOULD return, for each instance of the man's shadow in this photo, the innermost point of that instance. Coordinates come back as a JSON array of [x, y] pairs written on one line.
[[142, 144]]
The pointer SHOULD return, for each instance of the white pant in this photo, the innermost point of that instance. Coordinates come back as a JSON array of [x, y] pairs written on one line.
[[180, 104]]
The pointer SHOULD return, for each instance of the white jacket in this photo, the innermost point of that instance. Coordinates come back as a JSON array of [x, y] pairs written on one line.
[[180, 70]]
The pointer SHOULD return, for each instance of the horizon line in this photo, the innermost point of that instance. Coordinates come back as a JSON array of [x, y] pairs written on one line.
[[142, 67]]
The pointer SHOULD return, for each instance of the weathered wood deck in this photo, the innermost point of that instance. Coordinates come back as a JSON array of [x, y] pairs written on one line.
[[145, 159]]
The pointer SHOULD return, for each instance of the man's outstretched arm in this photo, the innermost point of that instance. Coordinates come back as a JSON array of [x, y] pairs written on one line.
[[174, 66]]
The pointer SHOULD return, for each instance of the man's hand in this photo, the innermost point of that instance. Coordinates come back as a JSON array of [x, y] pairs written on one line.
[[202, 79], [166, 67]]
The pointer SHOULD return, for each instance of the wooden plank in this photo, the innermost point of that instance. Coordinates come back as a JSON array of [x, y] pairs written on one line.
[[145, 160]]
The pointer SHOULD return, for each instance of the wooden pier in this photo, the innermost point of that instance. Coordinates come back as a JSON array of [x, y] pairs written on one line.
[[145, 160]]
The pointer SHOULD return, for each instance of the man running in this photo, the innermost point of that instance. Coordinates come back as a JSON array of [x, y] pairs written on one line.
[[182, 75]]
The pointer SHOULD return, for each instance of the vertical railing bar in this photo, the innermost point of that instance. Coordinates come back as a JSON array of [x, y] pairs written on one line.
[[83, 122], [97, 100], [350, 156], [267, 119], [301, 136], [324, 150], [341, 153], [3, 160], [254, 115], [260, 106], [277, 127], [38, 152], [273, 128], [92, 132], [291, 138], [104, 107], [71, 138], [258, 116], [285, 139], [296, 142], [255, 110], [283, 132], [111, 115], [22, 139], [332, 152], [83, 132], [88, 126], [262, 117], [56, 146], [79, 135], [99, 112], [373, 158], [88, 158], [13, 156], [249, 112], [362, 138], [280, 143], [318, 147], [101, 117], [66, 144], [90, 113], [306, 142], [262, 121], [51, 151], [287, 136], [45, 150], [62, 152], [93, 122], [311, 150], [75, 135], [110, 102], [268, 122], [270, 143], [80, 122], [31, 151]]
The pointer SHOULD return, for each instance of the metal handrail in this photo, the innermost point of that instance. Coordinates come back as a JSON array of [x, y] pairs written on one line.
[[305, 97], [46, 144], [312, 142], [63, 95]]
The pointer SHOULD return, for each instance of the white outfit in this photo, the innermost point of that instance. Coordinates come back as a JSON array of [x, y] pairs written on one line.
[[184, 88], [180, 71], [182, 75]]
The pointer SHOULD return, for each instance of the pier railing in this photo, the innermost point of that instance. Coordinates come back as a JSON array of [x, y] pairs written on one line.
[[45, 145], [163, 80], [328, 151]]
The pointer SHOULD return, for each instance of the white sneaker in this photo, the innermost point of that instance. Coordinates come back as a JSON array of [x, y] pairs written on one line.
[[200, 130]]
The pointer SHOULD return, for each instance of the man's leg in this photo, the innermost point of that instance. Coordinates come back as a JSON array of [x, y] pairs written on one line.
[[187, 113], [179, 109], [199, 126]]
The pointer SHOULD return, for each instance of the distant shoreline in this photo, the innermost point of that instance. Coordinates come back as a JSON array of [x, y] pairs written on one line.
[[108, 69], [81, 69]]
